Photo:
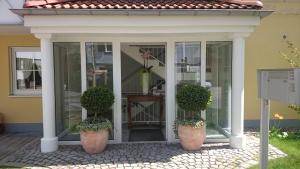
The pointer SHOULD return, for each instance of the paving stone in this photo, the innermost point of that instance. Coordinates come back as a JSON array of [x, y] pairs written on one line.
[[137, 156]]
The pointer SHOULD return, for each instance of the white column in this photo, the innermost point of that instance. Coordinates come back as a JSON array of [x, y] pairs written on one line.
[[117, 91], [49, 142], [170, 91], [237, 139]]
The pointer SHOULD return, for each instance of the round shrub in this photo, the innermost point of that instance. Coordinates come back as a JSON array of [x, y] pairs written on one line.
[[97, 100], [193, 97]]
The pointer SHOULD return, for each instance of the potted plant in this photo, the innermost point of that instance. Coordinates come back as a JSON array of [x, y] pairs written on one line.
[[191, 99], [145, 79], [94, 131], [145, 72]]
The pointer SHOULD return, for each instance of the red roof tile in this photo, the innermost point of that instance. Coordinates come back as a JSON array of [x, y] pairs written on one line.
[[144, 4]]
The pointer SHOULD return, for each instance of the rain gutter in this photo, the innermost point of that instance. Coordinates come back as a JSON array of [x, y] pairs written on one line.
[[158, 12]]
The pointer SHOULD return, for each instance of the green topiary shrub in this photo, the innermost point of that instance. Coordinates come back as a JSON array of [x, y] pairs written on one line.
[[191, 99], [97, 101]]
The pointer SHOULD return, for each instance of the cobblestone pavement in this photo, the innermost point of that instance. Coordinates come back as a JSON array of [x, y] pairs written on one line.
[[134, 156]]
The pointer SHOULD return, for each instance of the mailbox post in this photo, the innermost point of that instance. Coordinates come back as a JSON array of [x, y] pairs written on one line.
[[275, 84]]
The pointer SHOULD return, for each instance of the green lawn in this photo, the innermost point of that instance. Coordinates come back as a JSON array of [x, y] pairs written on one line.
[[292, 148]]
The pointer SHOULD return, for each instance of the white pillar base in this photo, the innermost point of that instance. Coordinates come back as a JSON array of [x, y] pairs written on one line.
[[238, 142], [49, 144]]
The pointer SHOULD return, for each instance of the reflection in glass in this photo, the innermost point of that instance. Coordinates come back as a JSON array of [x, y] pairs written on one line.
[[218, 78], [99, 68], [28, 66], [67, 89], [188, 62], [188, 68]]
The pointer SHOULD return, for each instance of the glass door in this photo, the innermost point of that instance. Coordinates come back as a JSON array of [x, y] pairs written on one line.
[[188, 62], [67, 69], [218, 79], [188, 68], [99, 69], [143, 91]]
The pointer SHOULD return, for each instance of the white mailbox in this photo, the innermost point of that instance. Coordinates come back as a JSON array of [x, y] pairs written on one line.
[[275, 84], [280, 85]]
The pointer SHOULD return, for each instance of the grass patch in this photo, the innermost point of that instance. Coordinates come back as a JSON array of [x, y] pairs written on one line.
[[8, 167], [289, 146]]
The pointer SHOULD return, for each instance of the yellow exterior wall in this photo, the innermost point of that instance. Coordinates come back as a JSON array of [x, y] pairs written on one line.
[[262, 51], [16, 109]]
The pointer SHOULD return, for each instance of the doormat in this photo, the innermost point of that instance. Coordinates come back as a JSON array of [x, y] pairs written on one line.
[[146, 135]]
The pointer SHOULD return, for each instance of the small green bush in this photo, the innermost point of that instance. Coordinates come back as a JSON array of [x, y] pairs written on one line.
[[97, 101], [193, 97], [281, 133], [295, 108]]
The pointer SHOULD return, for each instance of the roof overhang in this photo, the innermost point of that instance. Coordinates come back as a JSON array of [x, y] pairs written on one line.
[[141, 21], [14, 29], [187, 12]]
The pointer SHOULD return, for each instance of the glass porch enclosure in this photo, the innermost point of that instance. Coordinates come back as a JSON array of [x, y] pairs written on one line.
[[217, 79], [84, 64]]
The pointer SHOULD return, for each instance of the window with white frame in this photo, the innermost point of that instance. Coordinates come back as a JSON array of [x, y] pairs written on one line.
[[26, 71]]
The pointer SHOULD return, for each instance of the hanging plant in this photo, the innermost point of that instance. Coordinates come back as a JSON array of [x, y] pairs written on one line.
[[145, 72]]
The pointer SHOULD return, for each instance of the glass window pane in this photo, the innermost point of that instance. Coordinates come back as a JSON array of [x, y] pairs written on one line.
[[99, 64], [38, 80], [23, 63], [218, 78], [37, 64], [99, 68], [188, 62], [25, 60], [67, 66], [188, 68], [25, 79]]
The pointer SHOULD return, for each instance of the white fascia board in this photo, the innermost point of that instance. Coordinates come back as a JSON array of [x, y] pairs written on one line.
[[144, 30], [104, 21], [135, 38], [140, 24]]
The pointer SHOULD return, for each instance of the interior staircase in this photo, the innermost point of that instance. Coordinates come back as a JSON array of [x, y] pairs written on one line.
[[157, 60], [146, 112]]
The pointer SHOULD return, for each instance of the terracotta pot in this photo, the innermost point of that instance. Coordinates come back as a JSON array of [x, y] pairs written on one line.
[[94, 142], [191, 138]]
